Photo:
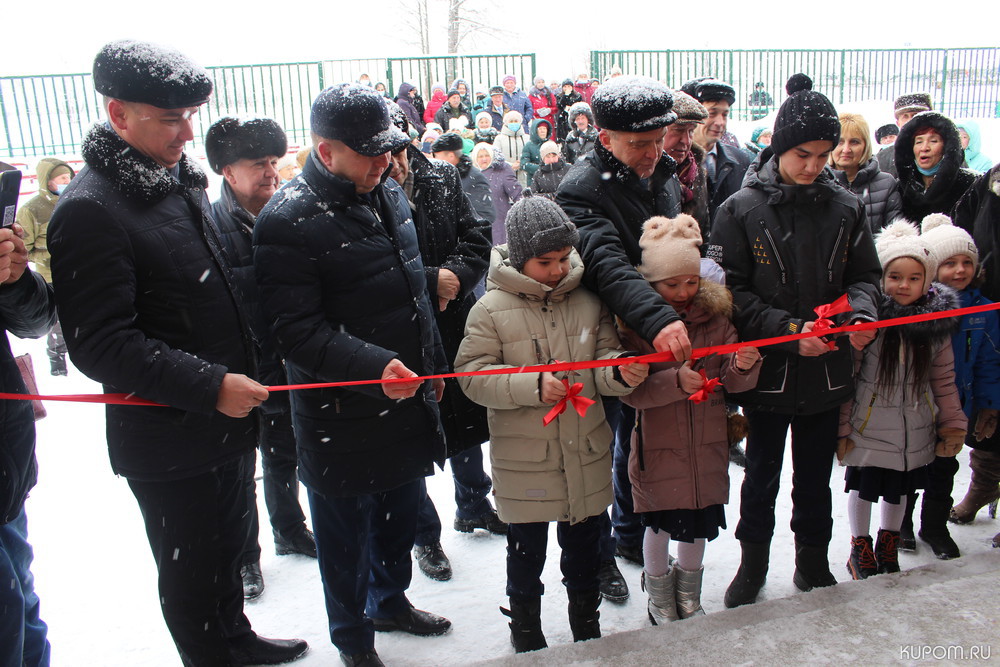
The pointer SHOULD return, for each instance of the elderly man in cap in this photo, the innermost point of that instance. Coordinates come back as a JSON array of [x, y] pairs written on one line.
[[904, 108], [246, 153], [151, 307], [609, 193], [725, 165], [344, 288]]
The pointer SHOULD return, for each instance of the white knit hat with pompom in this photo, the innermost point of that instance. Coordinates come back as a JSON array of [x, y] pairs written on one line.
[[901, 239], [947, 240]]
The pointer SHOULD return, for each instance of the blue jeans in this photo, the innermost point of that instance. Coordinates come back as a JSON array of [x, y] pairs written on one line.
[[22, 632], [472, 485], [363, 544]]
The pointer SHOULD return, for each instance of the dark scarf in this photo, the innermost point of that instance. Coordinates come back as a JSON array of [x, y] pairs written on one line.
[[687, 174], [932, 332]]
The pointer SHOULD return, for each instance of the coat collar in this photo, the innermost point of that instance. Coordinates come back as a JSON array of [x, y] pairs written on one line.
[[622, 173]]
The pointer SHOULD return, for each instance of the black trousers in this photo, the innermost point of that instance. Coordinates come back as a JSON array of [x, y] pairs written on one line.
[[197, 530], [814, 444], [580, 560]]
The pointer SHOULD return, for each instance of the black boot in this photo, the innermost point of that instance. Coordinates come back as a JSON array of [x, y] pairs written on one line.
[[812, 568], [907, 539], [613, 585], [525, 624], [934, 528], [750, 577], [584, 619], [861, 563], [886, 551], [58, 363]]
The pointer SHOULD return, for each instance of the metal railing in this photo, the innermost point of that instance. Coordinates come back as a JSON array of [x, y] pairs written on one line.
[[50, 114], [962, 82]]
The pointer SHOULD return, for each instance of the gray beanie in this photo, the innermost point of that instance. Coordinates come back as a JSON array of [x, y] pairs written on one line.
[[536, 226]]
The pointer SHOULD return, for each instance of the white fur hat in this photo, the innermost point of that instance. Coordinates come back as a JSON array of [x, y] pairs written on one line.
[[947, 240], [901, 239]]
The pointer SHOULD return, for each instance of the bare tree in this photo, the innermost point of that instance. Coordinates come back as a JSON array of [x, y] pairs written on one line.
[[465, 20], [416, 19]]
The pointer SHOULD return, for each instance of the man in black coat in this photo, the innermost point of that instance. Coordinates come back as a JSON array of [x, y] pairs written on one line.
[[246, 154], [454, 246], [341, 280], [27, 310], [151, 307], [609, 193], [725, 165]]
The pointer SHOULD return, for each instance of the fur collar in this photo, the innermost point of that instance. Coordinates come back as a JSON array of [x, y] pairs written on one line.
[[135, 175], [712, 300], [933, 332]]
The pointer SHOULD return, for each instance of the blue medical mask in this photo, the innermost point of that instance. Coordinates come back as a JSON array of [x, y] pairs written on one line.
[[61, 188], [929, 172], [514, 127]]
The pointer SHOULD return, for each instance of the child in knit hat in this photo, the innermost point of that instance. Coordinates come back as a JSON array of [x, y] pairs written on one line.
[[977, 374], [679, 463], [889, 433], [536, 311]]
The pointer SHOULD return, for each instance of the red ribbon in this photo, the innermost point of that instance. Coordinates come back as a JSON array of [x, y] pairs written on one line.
[[708, 388], [579, 403], [823, 313]]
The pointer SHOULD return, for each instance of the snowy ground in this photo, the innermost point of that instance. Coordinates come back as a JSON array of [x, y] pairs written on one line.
[[96, 579]]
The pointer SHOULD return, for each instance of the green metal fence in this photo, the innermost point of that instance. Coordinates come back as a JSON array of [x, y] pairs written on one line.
[[962, 82], [49, 114]]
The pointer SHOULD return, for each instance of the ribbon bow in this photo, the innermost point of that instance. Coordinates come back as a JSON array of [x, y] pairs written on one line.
[[824, 312], [707, 388], [579, 403]]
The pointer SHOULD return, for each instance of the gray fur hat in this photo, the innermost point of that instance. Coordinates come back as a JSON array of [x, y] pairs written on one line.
[[536, 226]]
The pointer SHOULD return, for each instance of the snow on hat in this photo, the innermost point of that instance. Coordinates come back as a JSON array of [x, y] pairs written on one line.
[[670, 248], [150, 74], [358, 116], [797, 82], [900, 239], [536, 226], [447, 142], [688, 109], [231, 139], [398, 116], [947, 240], [887, 130], [548, 148], [804, 116], [912, 102], [633, 104]]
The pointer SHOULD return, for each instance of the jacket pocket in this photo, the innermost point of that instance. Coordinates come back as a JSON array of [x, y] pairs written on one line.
[[773, 374], [524, 450]]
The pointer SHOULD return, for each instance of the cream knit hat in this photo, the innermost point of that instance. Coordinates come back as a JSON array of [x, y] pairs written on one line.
[[670, 248], [947, 240], [900, 239]]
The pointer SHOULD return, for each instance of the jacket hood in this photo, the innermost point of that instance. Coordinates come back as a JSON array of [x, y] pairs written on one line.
[[866, 173], [534, 130], [581, 108], [971, 128], [404, 90], [507, 133], [438, 95], [932, 332], [483, 146], [505, 277], [483, 114], [45, 167], [951, 160]]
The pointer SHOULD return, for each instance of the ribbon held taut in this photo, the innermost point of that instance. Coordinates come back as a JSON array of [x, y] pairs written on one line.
[[579, 403]]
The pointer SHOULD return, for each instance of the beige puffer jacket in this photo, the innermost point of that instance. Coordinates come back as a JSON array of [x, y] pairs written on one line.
[[559, 472]]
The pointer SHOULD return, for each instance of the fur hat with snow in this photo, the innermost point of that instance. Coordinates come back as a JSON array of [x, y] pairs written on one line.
[[947, 240], [900, 239], [670, 248], [232, 139]]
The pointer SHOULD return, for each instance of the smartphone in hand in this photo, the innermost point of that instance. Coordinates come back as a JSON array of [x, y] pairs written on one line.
[[10, 190]]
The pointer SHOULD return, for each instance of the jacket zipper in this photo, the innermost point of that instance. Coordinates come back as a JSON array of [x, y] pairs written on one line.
[[861, 431], [777, 257], [836, 249]]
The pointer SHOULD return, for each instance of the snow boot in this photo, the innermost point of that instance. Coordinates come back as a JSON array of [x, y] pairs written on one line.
[[934, 529], [887, 551], [907, 539], [751, 576], [525, 624], [861, 563], [984, 488], [662, 604], [689, 592], [613, 585], [812, 567], [584, 619], [58, 364]]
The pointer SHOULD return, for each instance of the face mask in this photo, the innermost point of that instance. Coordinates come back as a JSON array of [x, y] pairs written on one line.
[[929, 172], [513, 127], [61, 188]]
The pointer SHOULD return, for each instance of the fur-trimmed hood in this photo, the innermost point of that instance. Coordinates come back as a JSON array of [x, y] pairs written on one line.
[[932, 332], [951, 180], [135, 175]]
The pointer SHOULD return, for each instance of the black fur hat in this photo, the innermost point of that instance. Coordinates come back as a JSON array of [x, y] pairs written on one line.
[[231, 139], [887, 130], [150, 74], [449, 141]]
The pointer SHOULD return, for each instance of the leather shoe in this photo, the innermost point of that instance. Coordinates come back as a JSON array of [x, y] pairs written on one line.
[[630, 553], [486, 521], [302, 543], [367, 659], [253, 581], [433, 562], [415, 622], [256, 650], [612, 584]]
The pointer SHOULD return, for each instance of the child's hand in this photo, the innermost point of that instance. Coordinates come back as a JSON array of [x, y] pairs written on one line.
[[689, 380], [812, 347], [844, 446], [634, 373], [986, 424], [746, 357], [860, 339], [553, 390]]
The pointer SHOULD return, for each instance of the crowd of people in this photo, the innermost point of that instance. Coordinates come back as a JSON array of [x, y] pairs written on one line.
[[574, 230]]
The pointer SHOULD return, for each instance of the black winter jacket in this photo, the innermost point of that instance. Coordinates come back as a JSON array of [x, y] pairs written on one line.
[[452, 237], [951, 180], [444, 115], [787, 249], [563, 102], [978, 212], [731, 166], [548, 177], [878, 192], [27, 310], [609, 213], [149, 306], [477, 189], [342, 283]]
